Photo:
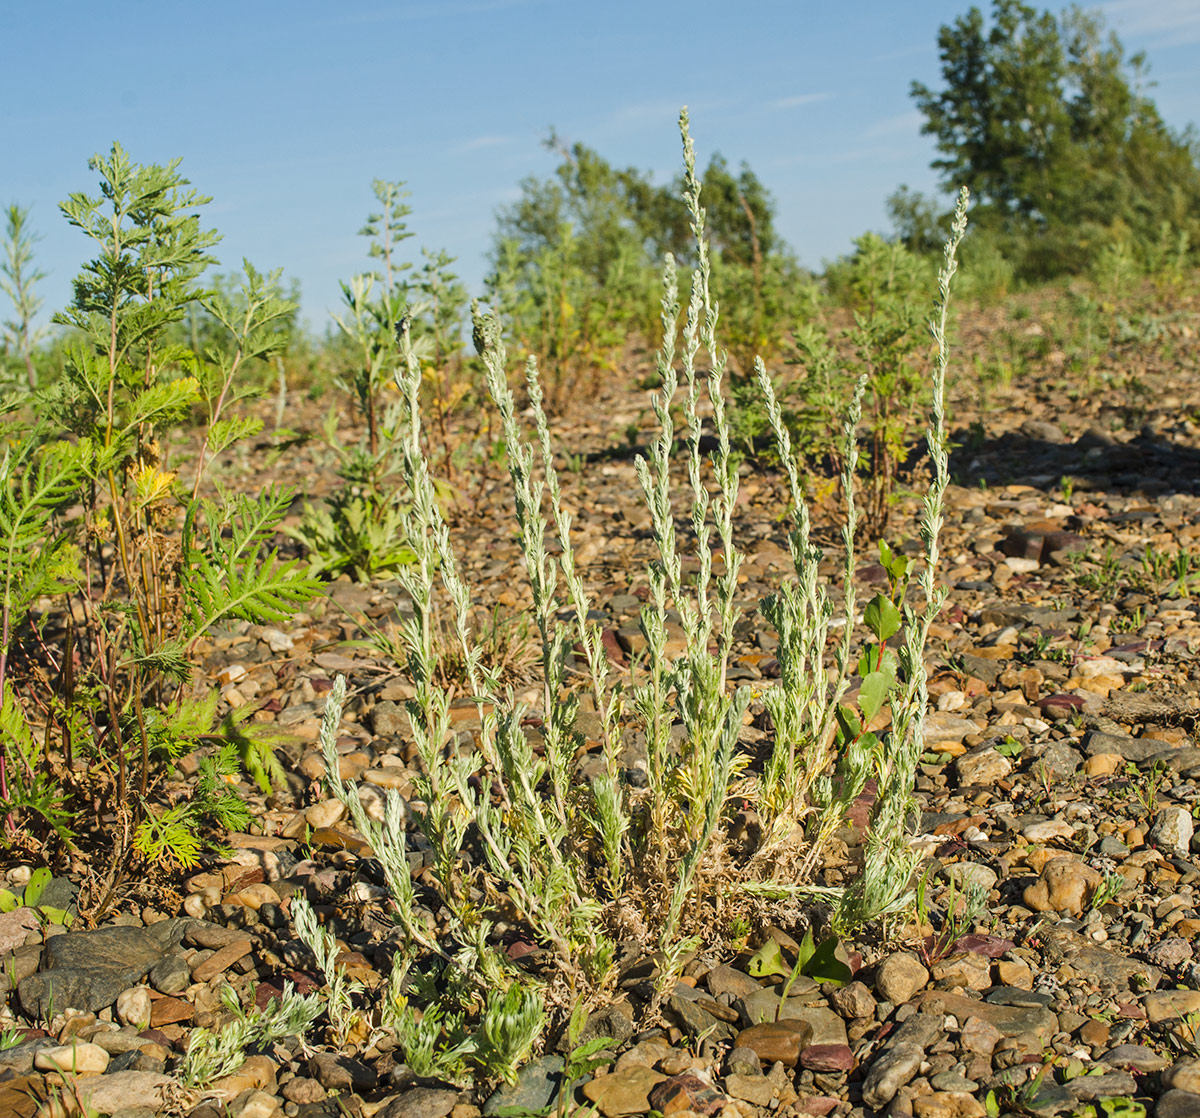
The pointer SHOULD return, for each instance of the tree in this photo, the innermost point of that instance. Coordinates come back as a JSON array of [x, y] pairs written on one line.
[[1048, 122], [577, 258]]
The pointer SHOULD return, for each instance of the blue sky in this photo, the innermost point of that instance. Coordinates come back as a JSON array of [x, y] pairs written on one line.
[[284, 113]]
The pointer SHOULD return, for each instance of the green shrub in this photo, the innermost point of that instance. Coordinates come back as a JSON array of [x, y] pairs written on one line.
[[92, 512]]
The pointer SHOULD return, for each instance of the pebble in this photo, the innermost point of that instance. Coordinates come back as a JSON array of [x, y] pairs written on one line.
[[82, 1058], [133, 1007], [623, 1092], [900, 976], [1065, 885], [780, 1041], [948, 1104]]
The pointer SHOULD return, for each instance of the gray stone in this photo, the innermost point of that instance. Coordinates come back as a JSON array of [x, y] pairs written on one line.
[[421, 1102], [742, 1061], [727, 980], [171, 975], [1060, 759], [827, 1027], [20, 1057], [534, 1091], [1089, 1088], [1135, 1057], [965, 874], [1172, 828], [336, 1072], [890, 1071], [1131, 749], [982, 766], [1177, 1104], [389, 718], [87, 970], [697, 1021]]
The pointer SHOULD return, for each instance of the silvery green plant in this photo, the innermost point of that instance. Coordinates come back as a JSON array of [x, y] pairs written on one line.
[[214, 1053], [513, 834], [340, 990]]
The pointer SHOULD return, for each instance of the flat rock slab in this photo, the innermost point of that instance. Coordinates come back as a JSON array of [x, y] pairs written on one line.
[[1009, 1020], [87, 970]]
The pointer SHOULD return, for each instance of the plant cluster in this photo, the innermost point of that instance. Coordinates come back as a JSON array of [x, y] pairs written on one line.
[[114, 569], [515, 839]]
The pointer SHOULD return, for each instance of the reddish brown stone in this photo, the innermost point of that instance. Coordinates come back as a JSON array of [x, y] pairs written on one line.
[[221, 960], [170, 1011], [827, 1057], [686, 1092]]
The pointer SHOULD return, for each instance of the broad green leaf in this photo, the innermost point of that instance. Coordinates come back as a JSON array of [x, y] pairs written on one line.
[[882, 617], [37, 886], [8, 901], [873, 694], [768, 960], [825, 966]]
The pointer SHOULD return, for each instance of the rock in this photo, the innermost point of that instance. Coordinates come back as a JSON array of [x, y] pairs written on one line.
[[420, 1102], [1177, 1104], [942, 726], [980, 1036], [757, 1090], [324, 814], [1170, 953], [899, 977], [966, 874], [87, 970], [687, 1092], [119, 1091], [827, 1027], [1172, 828], [1135, 1057], [341, 1073], [982, 766], [853, 1000], [133, 1007], [170, 1011], [970, 971], [696, 1020], [1184, 1075], [534, 1091], [780, 1041], [303, 1090], [86, 1059], [1047, 831], [171, 975], [389, 718], [948, 1104], [259, 1104], [727, 980], [1089, 1088], [1166, 1005], [890, 1071], [614, 1021], [827, 1057], [255, 1073], [221, 960], [742, 1061], [1066, 885], [623, 1092], [1127, 748], [15, 927], [1011, 1021]]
